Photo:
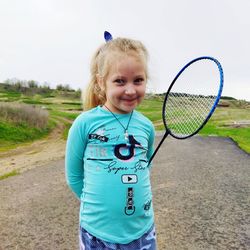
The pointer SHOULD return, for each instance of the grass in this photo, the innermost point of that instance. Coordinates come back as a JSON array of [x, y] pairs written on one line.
[[151, 108], [22, 123], [12, 135], [64, 109], [240, 135], [231, 122], [19, 113], [223, 122], [12, 173], [70, 116]]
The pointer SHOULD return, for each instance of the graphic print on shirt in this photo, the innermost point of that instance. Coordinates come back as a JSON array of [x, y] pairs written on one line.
[[131, 147], [102, 142], [98, 152], [98, 137], [124, 151], [130, 208]]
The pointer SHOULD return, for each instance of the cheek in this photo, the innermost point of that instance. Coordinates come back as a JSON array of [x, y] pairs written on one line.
[[142, 90], [113, 93]]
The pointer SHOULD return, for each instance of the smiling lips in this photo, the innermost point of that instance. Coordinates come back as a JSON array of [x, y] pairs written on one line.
[[128, 100]]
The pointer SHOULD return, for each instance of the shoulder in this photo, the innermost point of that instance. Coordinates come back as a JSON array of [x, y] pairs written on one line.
[[85, 118], [143, 119], [143, 123], [87, 115]]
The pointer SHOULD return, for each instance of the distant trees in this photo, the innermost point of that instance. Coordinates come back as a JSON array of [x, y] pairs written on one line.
[[66, 91], [32, 87], [32, 84], [62, 87]]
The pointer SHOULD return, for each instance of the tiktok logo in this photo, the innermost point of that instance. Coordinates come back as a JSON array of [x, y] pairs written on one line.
[[130, 147]]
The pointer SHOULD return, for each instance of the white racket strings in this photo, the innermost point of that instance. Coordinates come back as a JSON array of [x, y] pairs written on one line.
[[191, 98]]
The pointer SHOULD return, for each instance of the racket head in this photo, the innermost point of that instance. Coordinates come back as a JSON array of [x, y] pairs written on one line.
[[192, 97]]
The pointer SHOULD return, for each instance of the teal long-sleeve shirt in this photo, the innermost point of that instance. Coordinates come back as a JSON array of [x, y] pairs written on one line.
[[110, 175]]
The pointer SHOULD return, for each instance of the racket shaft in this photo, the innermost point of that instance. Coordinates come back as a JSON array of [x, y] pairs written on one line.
[[159, 145]]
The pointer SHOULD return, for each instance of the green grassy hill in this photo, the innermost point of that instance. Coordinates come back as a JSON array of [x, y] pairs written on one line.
[[18, 109], [231, 118]]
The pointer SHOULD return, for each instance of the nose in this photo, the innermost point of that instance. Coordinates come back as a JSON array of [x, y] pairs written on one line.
[[130, 89]]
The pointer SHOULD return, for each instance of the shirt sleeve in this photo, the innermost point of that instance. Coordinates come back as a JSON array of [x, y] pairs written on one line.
[[74, 165], [151, 144]]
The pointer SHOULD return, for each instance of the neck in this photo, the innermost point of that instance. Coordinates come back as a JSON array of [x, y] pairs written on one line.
[[126, 135], [116, 111]]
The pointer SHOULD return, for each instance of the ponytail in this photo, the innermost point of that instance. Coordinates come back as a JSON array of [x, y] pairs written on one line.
[[92, 96]]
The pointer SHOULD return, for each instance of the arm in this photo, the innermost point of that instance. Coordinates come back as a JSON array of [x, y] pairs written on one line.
[[151, 144], [74, 165]]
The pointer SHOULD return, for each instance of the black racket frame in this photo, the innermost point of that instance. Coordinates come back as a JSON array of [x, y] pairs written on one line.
[[168, 131]]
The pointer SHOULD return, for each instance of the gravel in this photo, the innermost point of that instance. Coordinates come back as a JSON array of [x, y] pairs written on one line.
[[201, 189]]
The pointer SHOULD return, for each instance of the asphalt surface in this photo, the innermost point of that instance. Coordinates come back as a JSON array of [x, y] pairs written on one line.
[[201, 189]]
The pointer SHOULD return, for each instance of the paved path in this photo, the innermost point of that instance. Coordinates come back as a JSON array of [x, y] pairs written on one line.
[[201, 190]]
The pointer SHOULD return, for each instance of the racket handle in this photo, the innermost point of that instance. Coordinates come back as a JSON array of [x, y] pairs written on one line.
[[159, 145]]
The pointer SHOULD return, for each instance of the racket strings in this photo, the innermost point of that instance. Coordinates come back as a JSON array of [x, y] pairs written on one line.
[[184, 114], [192, 96]]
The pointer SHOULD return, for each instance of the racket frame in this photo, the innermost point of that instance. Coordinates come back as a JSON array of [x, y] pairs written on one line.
[[168, 131]]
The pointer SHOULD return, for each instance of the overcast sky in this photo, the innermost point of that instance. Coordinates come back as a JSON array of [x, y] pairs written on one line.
[[53, 40]]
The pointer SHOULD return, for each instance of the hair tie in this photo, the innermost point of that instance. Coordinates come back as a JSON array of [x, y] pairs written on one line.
[[107, 36]]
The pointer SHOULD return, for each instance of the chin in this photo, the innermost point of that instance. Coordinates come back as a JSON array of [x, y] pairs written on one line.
[[128, 109], [130, 105]]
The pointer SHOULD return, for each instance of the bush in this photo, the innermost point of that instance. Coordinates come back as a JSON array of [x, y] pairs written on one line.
[[18, 113]]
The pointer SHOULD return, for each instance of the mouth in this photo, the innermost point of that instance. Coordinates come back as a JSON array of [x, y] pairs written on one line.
[[129, 102], [129, 99]]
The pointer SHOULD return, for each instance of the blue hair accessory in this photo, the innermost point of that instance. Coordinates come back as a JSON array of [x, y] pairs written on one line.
[[107, 36]]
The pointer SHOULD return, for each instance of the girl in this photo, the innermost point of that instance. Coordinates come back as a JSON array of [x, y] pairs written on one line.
[[108, 149]]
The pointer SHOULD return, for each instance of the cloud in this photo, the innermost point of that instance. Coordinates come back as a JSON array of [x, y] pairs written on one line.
[[54, 40]]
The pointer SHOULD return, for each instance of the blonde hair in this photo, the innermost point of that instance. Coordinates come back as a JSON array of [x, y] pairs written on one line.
[[101, 63]]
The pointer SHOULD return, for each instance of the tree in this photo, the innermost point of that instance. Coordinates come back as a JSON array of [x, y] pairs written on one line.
[[32, 84]]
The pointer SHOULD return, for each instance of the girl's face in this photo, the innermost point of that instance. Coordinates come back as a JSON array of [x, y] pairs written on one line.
[[125, 84]]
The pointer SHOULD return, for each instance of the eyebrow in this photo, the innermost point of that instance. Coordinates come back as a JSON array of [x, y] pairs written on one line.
[[137, 76]]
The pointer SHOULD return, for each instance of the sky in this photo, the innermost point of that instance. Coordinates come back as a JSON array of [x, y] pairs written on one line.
[[53, 40]]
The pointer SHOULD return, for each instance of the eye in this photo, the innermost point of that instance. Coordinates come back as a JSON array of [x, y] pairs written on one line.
[[139, 80], [119, 81]]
